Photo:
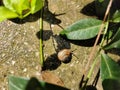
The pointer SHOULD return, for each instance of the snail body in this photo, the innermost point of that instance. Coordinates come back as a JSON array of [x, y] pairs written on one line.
[[65, 55]]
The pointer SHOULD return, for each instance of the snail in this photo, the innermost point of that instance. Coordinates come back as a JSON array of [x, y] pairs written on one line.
[[65, 55]]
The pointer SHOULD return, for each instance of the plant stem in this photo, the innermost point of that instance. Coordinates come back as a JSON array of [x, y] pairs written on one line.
[[91, 56], [104, 35], [93, 65], [41, 36]]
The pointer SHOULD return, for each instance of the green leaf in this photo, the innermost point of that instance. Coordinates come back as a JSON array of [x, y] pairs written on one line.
[[23, 7], [6, 14], [115, 42], [82, 29], [19, 83], [9, 4], [116, 17], [36, 5], [109, 68], [110, 73], [17, 6]]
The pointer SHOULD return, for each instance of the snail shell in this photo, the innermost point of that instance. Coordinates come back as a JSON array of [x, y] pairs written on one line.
[[65, 55]]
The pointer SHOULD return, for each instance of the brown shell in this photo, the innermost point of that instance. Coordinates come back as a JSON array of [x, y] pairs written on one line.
[[64, 55]]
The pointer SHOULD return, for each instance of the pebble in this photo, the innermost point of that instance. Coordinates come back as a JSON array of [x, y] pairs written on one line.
[[3, 54], [52, 25], [13, 62], [12, 72], [25, 69]]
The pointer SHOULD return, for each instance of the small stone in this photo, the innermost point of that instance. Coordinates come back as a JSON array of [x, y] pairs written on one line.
[[32, 27], [3, 89], [13, 62], [25, 43], [25, 69], [12, 72], [3, 54], [78, 6], [38, 73], [36, 54], [52, 25]]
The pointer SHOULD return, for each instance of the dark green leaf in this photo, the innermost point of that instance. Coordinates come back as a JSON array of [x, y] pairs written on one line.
[[109, 68], [6, 14], [111, 84], [110, 73], [115, 42], [18, 83], [83, 29], [36, 5], [116, 17]]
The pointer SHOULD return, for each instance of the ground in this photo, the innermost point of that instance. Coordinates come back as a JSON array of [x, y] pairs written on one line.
[[19, 47]]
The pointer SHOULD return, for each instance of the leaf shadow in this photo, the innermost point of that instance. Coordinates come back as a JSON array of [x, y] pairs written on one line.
[[60, 43], [91, 9], [115, 51], [29, 18], [51, 63], [35, 84], [47, 34], [85, 43]]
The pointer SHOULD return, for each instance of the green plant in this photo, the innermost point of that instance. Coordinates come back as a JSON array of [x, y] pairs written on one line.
[[89, 28], [81, 30], [19, 8]]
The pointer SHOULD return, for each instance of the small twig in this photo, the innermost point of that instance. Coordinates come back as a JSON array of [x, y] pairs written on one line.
[[98, 36]]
